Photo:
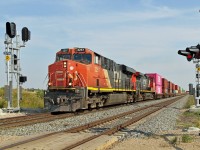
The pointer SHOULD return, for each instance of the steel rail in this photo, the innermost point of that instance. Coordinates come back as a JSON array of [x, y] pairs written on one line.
[[32, 120], [2, 120], [92, 124], [121, 126], [18, 121]]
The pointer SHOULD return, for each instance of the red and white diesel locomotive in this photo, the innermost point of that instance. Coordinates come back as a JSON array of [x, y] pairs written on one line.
[[82, 79]]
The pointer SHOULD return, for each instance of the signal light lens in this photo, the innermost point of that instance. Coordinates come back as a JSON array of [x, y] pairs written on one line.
[[189, 56], [15, 59]]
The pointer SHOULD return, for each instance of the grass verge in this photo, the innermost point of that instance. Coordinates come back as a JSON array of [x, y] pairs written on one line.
[[187, 118], [187, 138], [30, 99]]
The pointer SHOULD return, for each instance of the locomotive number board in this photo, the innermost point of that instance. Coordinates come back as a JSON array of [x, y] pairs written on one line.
[[65, 50], [80, 50]]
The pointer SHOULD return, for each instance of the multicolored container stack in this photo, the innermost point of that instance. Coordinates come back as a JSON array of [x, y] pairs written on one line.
[[157, 80]]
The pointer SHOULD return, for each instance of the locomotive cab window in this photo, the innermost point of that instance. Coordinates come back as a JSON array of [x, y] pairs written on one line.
[[97, 59], [83, 58], [60, 57]]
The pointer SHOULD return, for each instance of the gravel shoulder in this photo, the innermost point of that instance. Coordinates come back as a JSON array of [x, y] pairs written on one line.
[[159, 132]]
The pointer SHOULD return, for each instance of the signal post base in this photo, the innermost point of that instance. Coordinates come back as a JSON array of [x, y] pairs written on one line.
[[12, 110], [194, 108], [197, 101]]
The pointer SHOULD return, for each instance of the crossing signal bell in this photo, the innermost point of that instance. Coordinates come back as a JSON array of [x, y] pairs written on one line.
[[11, 29], [191, 52]]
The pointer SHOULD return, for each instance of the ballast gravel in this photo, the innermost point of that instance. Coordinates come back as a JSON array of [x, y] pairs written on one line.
[[165, 120]]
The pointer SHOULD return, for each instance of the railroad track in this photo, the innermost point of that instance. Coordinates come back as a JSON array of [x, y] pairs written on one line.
[[19, 121], [128, 118], [30, 119], [13, 122]]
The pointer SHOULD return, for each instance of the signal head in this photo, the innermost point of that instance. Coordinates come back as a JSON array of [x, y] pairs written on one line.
[[195, 50], [11, 29], [22, 79], [26, 34], [188, 55], [192, 49]]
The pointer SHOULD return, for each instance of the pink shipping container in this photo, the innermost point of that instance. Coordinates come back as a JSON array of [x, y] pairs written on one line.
[[158, 89], [157, 78]]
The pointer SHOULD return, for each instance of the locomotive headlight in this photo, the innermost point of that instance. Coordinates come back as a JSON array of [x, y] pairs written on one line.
[[71, 68], [49, 83], [64, 64], [70, 81]]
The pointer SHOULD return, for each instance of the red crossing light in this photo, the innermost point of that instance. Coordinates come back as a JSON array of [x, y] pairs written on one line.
[[189, 57]]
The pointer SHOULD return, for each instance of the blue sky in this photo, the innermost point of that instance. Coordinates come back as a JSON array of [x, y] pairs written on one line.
[[143, 34]]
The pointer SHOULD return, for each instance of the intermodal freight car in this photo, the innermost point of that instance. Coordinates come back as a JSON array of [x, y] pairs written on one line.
[[82, 79]]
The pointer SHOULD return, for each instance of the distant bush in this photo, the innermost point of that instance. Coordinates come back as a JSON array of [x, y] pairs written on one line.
[[190, 102], [187, 138], [184, 138], [40, 93], [3, 103], [30, 99]]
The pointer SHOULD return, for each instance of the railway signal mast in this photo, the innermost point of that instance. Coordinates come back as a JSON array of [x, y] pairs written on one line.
[[193, 53], [12, 60]]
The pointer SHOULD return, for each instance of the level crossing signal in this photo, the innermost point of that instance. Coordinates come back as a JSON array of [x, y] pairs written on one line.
[[191, 52]]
